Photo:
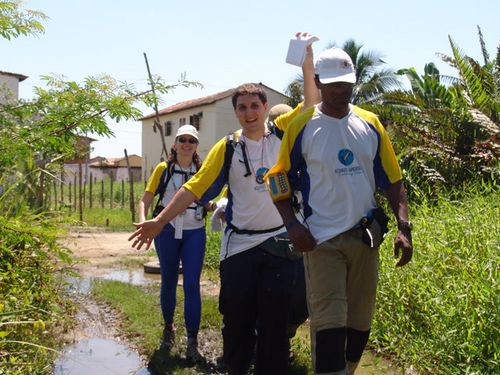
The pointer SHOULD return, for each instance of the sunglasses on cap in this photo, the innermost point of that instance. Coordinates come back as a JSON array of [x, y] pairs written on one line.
[[184, 140]]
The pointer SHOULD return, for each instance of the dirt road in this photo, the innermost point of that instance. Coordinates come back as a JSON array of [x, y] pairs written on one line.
[[100, 250]]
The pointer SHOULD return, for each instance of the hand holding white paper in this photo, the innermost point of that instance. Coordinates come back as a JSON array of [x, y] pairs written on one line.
[[297, 49]]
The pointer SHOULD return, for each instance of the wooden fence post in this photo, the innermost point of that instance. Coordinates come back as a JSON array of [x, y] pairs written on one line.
[[123, 193], [84, 184], [111, 191], [131, 179], [90, 191], [62, 187], [102, 193], [48, 194], [70, 200], [55, 195], [74, 193], [80, 203]]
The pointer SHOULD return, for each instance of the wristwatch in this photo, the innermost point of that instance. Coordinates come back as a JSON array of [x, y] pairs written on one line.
[[405, 225]]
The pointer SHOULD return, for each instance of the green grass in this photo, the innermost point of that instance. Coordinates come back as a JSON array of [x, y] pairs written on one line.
[[440, 312], [115, 220]]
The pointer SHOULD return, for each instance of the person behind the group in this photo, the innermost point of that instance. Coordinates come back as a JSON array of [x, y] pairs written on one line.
[[341, 154], [298, 309], [182, 239], [255, 286]]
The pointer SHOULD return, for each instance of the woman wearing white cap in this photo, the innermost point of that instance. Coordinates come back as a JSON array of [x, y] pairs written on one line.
[[182, 239]]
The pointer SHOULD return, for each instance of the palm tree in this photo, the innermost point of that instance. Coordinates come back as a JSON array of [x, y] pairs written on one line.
[[372, 81], [448, 126], [480, 83]]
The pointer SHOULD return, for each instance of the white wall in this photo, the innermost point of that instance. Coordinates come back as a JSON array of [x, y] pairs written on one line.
[[9, 88]]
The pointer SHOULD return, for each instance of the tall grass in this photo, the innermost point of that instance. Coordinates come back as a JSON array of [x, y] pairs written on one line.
[[440, 312]]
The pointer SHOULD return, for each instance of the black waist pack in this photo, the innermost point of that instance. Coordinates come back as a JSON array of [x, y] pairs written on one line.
[[281, 246], [374, 227]]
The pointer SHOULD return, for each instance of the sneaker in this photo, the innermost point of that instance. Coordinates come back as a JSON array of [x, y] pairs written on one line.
[[192, 353], [168, 339]]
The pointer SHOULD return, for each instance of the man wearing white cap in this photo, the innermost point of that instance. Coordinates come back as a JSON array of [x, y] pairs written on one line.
[[341, 154]]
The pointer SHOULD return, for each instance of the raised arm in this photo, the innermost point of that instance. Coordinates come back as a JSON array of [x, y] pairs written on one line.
[[312, 95]]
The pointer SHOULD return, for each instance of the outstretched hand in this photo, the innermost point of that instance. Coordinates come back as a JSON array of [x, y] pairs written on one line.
[[403, 244], [145, 233]]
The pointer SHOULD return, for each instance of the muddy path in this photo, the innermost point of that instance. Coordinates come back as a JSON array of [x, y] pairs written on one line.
[[96, 344]]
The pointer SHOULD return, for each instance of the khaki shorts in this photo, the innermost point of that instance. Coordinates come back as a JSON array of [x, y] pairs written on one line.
[[341, 280]]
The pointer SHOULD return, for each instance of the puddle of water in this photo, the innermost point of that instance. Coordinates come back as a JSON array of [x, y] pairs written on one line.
[[83, 284], [134, 277], [98, 356], [80, 285]]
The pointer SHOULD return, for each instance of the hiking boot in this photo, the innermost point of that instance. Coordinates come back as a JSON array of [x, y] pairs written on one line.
[[192, 353], [168, 339]]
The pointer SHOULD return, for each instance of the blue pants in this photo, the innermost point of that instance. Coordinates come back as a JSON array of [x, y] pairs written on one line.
[[191, 250], [256, 292]]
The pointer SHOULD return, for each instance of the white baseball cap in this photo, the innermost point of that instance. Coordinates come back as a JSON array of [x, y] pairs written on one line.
[[187, 130], [335, 65]]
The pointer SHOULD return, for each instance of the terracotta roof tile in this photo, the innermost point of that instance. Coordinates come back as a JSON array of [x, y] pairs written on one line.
[[192, 103], [20, 77]]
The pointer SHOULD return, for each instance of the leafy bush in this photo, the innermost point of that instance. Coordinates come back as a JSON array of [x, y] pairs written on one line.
[[32, 307]]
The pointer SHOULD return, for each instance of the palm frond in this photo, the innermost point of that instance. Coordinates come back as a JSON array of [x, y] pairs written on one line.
[[471, 82], [484, 51]]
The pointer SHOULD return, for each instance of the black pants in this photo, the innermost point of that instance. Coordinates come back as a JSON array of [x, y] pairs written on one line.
[[256, 291]]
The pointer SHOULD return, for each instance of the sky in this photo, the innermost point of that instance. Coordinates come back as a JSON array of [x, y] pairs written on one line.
[[224, 43]]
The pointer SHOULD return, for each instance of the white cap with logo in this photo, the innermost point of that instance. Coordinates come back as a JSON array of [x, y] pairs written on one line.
[[187, 130], [335, 65]]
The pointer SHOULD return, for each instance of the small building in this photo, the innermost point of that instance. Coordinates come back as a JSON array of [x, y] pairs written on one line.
[[212, 115], [81, 156], [116, 168], [9, 86]]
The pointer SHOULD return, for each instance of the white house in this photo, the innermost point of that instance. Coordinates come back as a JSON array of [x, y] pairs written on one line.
[[212, 115], [116, 168], [9, 86]]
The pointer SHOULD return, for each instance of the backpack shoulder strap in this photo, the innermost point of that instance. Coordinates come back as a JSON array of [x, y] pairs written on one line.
[[233, 139], [163, 184], [230, 145], [168, 175]]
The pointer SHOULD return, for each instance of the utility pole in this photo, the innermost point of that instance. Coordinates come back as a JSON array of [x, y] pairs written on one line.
[[156, 123]]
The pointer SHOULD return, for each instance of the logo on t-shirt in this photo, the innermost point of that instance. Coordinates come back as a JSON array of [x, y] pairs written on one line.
[[346, 156]]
